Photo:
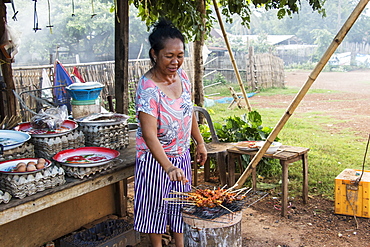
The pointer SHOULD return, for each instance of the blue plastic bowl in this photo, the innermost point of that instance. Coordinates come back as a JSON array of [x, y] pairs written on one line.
[[85, 94]]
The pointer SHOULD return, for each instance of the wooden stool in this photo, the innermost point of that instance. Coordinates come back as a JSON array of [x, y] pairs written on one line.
[[288, 155]]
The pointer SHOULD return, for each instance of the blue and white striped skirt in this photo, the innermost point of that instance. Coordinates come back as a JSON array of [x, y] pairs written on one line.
[[151, 213]]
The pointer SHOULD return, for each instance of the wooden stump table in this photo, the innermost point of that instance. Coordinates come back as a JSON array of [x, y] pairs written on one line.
[[288, 155]]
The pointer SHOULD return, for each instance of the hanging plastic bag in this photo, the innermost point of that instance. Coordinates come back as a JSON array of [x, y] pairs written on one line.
[[10, 42], [51, 118]]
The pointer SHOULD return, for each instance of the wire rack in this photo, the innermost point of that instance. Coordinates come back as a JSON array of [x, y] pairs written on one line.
[[212, 213], [220, 214]]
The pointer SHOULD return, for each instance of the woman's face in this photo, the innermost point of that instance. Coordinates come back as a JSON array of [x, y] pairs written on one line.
[[171, 57]]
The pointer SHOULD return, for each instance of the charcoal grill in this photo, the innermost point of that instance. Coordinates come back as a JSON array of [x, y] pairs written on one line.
[[190, 209], [213, 213]]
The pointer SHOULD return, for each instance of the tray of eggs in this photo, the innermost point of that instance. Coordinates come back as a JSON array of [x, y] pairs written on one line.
[[24, 166]]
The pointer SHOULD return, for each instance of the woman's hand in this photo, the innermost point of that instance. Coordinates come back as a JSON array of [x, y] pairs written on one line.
[[176, 174], [201, 153]]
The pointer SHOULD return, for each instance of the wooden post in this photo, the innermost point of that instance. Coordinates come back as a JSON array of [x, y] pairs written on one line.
[[294, 104], [232, 56], [198, 65], [121, 198], [251, 68], [7, 103], [121, 56]]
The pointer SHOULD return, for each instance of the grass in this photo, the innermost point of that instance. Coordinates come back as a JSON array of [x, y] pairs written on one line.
[[331, 150]]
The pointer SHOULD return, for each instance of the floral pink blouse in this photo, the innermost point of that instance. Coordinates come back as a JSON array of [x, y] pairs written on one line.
[[173, 116]]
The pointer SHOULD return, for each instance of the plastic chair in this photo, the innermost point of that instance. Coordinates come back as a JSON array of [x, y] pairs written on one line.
[[215, 149]]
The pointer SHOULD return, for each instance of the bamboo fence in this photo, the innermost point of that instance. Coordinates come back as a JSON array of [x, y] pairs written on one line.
[[29, 78], [268, 71]]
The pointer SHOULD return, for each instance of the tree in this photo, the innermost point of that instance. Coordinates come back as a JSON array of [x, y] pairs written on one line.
[[194, 18], [79, 30]]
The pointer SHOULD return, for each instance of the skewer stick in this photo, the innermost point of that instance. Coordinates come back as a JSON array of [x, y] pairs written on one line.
[[231, 188], [226, 208], [240, 191], [187, 203], [174, 199], [247, 192]]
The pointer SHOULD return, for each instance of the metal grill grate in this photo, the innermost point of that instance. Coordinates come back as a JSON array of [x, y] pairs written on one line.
[[212, 213]]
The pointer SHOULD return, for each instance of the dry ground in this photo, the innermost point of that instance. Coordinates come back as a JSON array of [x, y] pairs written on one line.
[[314, 224]]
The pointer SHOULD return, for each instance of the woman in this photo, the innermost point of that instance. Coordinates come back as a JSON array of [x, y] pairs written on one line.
[[166, 123]]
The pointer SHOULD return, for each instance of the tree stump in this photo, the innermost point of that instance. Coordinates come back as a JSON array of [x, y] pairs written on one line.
[[224, 231]]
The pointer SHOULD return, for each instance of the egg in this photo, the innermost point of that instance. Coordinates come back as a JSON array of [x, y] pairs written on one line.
[[41, 161], [21, 167], [31, 167], [40, 165], [20, 164], [31, 163]]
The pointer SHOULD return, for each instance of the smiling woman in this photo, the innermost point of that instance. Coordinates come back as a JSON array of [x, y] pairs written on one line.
[[165, 125]]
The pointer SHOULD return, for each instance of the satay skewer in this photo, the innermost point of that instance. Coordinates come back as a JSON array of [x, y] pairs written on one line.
[[174, 199], [187, 203]]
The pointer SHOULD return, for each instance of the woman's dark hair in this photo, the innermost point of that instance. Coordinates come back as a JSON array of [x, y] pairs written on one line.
[[163, 30]]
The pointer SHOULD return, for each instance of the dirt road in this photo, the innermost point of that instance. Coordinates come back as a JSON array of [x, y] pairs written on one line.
[[315, 224]]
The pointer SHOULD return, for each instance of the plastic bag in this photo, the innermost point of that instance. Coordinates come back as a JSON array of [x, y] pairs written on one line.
[[10, 42], [51, 119]]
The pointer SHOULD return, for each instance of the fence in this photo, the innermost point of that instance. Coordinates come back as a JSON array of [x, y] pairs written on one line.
[[257, 71], [28, 79]]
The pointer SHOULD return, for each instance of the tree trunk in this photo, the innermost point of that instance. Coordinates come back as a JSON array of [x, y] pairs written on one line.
[[198, 60], [222, 231], [121, 57], [7, 101]]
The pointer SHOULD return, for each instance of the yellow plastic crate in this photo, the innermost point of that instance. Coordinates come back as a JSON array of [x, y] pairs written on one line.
[[352, 199]]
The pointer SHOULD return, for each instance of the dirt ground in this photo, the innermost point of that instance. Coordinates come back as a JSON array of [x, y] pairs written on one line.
[[315, 223]]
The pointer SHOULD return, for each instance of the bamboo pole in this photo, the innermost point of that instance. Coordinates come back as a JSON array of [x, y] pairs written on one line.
[[232, 56], [312, 77]]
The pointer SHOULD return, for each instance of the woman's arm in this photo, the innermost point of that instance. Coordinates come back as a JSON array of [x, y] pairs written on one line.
[[201, 151], [149, 130]]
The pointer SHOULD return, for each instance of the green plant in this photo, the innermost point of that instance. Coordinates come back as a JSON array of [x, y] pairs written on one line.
[[132, 113], [248, 127]]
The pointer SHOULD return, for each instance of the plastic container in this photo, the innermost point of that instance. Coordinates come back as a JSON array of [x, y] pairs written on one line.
[[84, 94], [351, 198], [83, 108]]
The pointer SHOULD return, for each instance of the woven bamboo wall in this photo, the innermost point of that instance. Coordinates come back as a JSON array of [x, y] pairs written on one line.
[[29, 78], [268, 71]]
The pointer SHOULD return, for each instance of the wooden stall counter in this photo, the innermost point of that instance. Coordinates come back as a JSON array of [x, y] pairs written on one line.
[[55, 212]]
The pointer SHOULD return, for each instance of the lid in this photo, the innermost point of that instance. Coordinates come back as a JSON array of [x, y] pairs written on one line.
[[85, 85]]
